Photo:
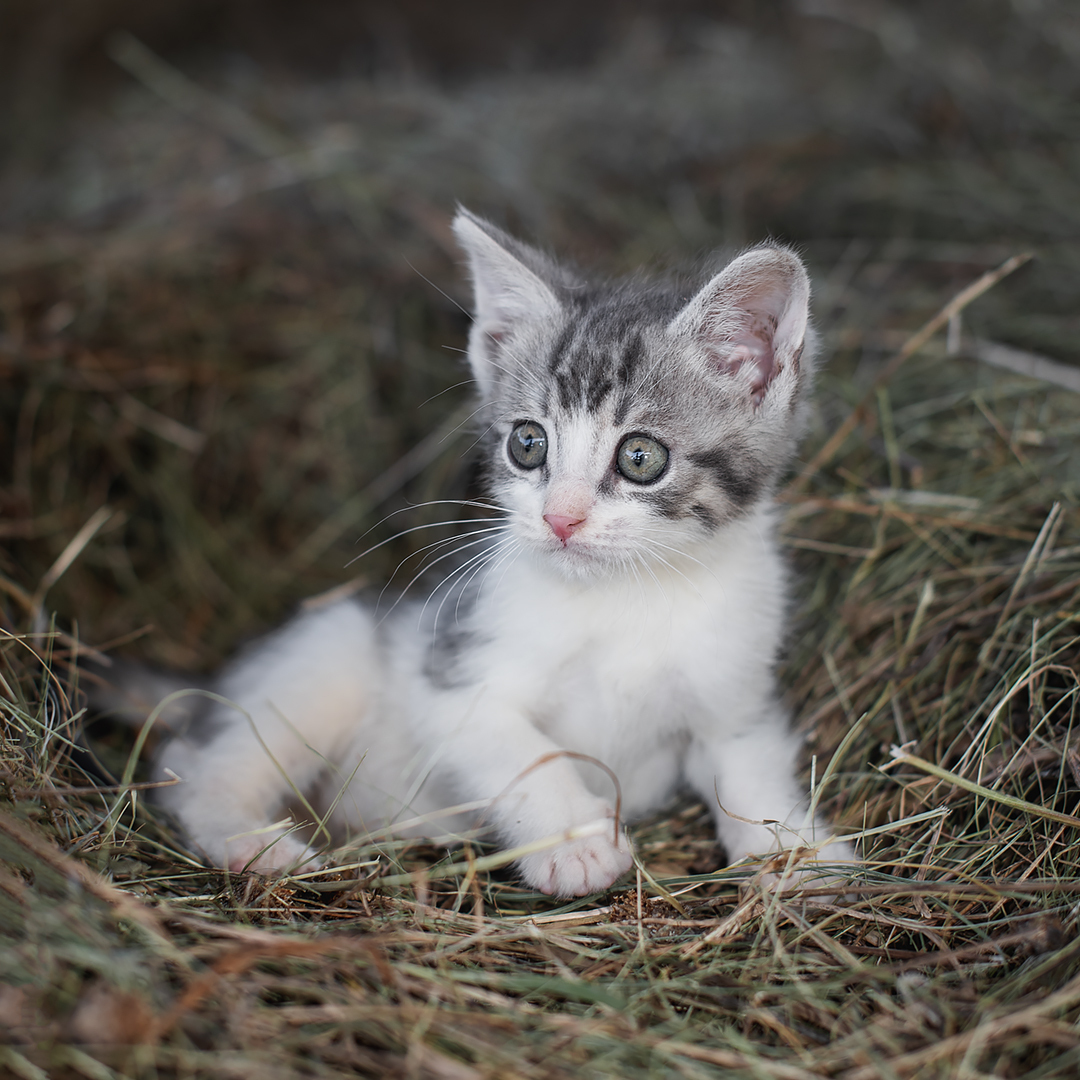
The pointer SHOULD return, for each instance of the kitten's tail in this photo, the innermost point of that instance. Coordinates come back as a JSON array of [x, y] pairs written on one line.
[[129, 692]]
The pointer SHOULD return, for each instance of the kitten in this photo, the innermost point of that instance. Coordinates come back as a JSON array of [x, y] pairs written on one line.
[[627, 606]]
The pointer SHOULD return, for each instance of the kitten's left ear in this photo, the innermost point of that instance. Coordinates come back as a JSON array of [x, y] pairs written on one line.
[[508, 287], [750, 320]]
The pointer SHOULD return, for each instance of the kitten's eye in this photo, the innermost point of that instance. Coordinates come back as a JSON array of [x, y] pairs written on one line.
[[528, 444], [641, 459]]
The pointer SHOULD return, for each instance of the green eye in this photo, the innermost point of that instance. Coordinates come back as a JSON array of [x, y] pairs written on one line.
[[528, 444], [641, 459]]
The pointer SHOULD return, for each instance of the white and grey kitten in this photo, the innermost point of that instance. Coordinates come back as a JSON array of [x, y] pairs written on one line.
[[626, 607]]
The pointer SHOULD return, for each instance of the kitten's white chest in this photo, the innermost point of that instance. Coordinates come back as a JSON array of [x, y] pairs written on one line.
[[640, 645], [627, 672], [629, 716]]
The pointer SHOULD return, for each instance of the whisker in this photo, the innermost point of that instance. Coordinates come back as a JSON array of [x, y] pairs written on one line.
[[481, 561], [479, 409], [522, 369], [481, 437], [652, 574], [444, 294], [429, 525], [484, 556], [447, 541], [679, 551], [478, 503], [664, 592], [455, 386], [516, 547], [472, 577], [422, 571], [673, 568], [456, 541], [632, 564], [529, 371], [407, 532]]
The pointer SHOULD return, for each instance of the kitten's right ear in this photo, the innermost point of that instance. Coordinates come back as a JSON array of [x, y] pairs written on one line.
[[508, 293]]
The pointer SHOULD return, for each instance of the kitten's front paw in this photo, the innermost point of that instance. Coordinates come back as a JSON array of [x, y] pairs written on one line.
[[807, 874], [265, 855], [579, 867], [837, 851]]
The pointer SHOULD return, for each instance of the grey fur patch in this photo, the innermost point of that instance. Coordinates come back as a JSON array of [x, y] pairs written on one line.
[[672, 502], [705, 516], [628, 375], [601, 351], [203, 723], [742, 485], [443, 665]]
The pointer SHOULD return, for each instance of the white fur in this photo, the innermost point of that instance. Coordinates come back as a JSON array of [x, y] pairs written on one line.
[[655, 660], [663, 681]]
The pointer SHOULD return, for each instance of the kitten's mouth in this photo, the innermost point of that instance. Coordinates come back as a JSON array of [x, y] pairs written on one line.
[[574, 552], [569, 547], [573, 548]]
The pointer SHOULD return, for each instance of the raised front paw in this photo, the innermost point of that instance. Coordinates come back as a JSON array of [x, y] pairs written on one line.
[[578, 867]]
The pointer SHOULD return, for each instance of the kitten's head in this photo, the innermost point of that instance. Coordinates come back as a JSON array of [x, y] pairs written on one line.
[[626, 421]]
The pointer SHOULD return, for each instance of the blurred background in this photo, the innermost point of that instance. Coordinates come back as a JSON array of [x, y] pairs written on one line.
[[231, 309]]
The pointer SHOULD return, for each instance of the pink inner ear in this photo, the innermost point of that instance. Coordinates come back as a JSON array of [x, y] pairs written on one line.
[[750, 319], [749, 349]]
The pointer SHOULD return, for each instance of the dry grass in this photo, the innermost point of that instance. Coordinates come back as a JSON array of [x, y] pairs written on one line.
[[216, 391]]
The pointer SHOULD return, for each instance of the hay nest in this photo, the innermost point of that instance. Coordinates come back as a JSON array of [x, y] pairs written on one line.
[[227, 366]]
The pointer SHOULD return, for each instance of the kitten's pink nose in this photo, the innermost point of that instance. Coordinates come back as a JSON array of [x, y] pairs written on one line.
[[562, 525]]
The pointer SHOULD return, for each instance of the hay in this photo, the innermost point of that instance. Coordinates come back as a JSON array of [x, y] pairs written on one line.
[[221, 350]]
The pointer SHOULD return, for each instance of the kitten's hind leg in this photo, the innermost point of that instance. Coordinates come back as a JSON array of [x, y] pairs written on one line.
[[298, 699]]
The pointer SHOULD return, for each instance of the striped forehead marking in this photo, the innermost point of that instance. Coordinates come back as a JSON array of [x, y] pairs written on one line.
[[597, 355]]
